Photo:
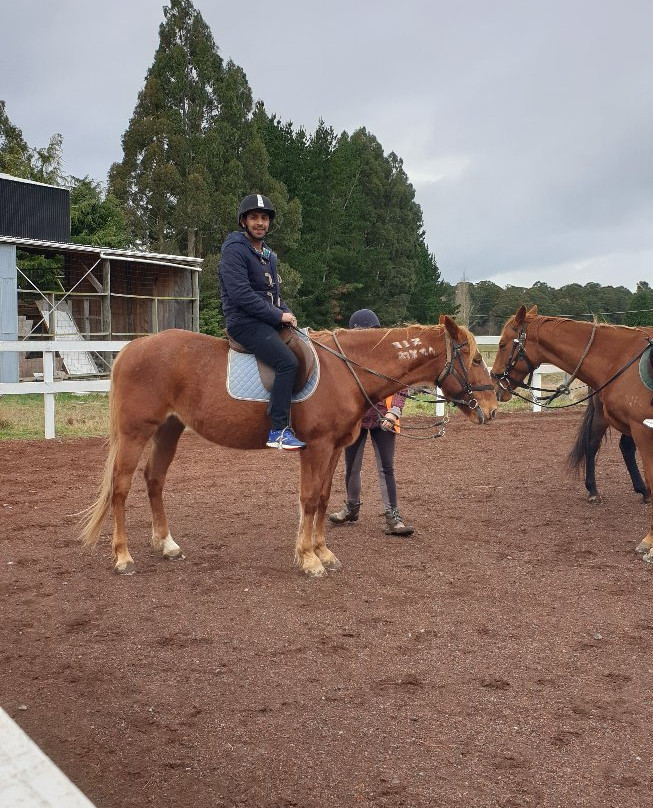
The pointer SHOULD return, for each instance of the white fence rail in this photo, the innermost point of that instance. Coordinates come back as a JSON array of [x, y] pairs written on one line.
[[28, 778], [543, 370], [48, 387]]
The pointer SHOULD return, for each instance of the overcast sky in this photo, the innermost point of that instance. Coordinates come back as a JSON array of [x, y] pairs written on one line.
[[526, 127]]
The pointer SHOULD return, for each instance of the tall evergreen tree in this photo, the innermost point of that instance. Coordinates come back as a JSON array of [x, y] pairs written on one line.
[[30, 163], [429, 298], [96, 218], [163, 179], [362, 240], [191, 151], [641, 306]]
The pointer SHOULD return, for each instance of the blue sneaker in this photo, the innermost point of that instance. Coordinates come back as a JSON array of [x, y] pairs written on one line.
[[284, 439]]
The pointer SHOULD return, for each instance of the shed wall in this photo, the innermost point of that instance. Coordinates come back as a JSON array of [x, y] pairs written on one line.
[[31, 210], [8, 311]]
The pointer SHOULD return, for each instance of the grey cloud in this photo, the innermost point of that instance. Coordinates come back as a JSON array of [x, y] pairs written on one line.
[[526, 126]]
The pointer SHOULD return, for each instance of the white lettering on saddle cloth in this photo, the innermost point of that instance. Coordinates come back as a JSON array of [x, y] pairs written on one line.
[[407, 349]]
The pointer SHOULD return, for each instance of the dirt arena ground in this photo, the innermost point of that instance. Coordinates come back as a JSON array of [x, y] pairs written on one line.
[[500, 657]]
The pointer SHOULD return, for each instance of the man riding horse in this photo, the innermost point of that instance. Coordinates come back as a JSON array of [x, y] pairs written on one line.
[[254, 311]]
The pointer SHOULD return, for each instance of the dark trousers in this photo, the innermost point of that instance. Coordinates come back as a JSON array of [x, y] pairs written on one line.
[[384, 451], [264, 342]]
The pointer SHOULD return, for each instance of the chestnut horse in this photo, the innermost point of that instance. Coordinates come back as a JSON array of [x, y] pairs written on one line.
[[162, 383], [604, 357]]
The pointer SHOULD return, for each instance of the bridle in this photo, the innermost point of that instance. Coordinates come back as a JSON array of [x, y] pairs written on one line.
[[454, 357], [518, 353]]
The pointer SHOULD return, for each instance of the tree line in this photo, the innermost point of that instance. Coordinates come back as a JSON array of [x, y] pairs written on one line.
[[348, 231], [487, 306]]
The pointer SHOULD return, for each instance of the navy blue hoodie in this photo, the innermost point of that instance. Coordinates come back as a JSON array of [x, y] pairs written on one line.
[[249, 284]]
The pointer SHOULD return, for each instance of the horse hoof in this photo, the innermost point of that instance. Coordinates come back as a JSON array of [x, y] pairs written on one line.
[[316, 572], [648, 557], [594, 499], [179, 556], [333, 565], [643, 549], [126, 569]]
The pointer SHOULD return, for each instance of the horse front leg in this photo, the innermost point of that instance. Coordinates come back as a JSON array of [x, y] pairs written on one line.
[[164, 446], [644, 442], [325, 555], [316, 460]]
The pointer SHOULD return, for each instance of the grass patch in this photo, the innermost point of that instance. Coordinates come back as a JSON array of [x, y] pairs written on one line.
[[23, 417], [88, 415]]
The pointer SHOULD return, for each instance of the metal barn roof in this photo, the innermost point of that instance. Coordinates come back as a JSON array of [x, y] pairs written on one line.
[[181, 261]]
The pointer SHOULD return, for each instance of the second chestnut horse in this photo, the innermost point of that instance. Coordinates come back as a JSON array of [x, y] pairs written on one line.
[[604, 357]]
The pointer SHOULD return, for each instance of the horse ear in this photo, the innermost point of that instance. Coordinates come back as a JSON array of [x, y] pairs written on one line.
[[452, 327], [532, 311], [520, 315]]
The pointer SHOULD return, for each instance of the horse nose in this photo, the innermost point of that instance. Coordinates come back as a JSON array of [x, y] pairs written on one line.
[[493, 413]]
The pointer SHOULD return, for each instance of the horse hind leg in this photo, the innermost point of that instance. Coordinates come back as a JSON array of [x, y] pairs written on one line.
[[628, 450], [127, 457], [164, 447]]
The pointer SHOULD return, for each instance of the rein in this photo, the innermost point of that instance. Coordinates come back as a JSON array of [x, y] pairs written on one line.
[[453, 351], [519, 353]]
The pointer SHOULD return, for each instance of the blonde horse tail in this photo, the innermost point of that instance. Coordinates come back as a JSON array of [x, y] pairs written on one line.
[[91, 518]]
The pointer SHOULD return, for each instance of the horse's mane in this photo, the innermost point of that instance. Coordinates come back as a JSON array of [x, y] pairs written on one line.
[[559, 321]]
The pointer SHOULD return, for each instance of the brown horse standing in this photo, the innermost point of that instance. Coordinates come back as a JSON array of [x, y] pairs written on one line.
[[595, 354], [162, 383]]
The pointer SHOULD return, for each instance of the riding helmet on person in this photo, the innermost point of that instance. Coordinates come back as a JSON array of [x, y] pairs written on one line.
[[364, 318], [254, 202]]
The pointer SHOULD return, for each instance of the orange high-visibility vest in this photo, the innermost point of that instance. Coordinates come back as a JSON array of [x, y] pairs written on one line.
[[388, 404]]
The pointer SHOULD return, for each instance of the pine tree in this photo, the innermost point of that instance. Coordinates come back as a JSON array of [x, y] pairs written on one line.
[[362, 235], [429, 299], [641, 306], [191, 151], [20, 160], [96, 218], [163, 180]]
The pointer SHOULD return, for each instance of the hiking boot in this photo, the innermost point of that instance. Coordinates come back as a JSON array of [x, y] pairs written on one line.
[[396, 525], [348, 514], [284, 439]]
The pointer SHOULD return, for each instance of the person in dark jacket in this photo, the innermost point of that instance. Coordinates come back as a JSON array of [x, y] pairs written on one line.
[[254, 311], [381, 423]]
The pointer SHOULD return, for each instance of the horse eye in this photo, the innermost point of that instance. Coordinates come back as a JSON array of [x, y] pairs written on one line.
[[477, 360]]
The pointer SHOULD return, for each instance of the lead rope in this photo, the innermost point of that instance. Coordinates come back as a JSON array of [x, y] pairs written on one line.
[[546, 400], [350, 365], [564, 389]]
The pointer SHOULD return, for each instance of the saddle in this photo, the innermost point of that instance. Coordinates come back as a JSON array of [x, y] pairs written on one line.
[[646, 368], [298, 346]]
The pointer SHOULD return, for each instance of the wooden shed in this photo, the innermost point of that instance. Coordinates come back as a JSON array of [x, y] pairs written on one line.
[[51, 288], [99, 293]]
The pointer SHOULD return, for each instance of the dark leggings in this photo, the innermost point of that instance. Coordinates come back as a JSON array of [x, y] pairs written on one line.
[[264, 342], [384, 451]]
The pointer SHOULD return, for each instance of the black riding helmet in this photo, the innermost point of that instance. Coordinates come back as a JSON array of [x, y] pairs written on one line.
[[256, 202], [364, 318]]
